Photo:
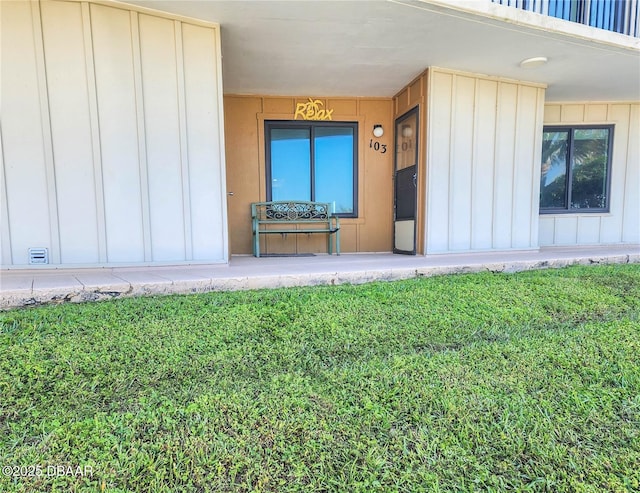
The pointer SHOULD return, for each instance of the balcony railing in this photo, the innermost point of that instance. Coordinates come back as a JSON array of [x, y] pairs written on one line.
[[620, 16]]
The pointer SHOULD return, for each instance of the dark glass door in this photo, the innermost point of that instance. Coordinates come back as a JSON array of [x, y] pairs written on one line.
[[405, 183]]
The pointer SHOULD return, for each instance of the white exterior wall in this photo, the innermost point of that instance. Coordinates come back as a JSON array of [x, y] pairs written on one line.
[[112, 135], [484, 140], [622, 223]]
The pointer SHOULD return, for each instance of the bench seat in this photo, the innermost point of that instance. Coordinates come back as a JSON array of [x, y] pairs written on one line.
[[269, 217]]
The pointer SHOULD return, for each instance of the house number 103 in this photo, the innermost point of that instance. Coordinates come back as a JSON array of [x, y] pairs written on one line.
[[377, 146]]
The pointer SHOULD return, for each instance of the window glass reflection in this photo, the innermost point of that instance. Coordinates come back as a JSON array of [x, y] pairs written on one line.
[[553, 183], [334, 167], [290, 164], [589, 169]]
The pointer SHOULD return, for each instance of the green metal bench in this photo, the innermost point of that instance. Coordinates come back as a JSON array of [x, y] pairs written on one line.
[[309, 217]]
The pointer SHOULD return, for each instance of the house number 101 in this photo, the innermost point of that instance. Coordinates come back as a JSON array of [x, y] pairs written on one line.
[[377, 146]]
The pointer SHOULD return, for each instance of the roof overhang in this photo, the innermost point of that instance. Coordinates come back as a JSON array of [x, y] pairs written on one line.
[[373, 48]]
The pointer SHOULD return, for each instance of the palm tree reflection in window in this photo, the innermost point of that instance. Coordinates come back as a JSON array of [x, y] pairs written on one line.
[[589, 172], [553, 181], [574, 169]]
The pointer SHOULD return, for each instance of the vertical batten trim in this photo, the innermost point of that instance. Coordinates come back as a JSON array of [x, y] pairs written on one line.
[[626, 165], [428, 160], [627, 161], [47, 137], [5, 227], [534, 228], [514, 161], [452, 156], [496, 143], [600, 222], [474, 163], [142, 132], [493, 162], [94, 124], [361, 147], [262, 153], [184, 152]]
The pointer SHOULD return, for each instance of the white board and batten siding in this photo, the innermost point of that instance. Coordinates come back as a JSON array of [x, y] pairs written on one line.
[[622, 223], [112, 135], [484, 139]]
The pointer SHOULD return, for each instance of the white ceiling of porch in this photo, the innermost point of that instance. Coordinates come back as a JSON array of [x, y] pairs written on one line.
[[375, 47]]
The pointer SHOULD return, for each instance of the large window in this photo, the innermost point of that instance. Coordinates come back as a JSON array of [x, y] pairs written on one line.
[[314, 162], [576, 169]]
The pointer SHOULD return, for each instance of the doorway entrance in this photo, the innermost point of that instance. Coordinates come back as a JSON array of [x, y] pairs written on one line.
[[406, 183]]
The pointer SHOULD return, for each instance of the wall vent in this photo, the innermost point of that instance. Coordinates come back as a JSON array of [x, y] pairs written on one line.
[[38, 255]]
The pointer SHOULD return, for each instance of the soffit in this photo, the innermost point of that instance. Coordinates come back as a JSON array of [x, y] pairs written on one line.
[[373, 48]]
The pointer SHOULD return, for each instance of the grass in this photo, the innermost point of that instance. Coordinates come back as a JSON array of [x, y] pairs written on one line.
[[484, 382]]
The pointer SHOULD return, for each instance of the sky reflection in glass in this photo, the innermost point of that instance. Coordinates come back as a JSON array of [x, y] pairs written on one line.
[[290, 164], [332, 165]]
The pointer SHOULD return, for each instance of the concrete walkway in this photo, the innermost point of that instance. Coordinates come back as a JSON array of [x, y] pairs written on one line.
[[39, 286]]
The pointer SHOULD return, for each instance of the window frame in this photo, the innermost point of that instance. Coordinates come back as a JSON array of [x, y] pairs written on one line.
[[269, 125], [569, 174]]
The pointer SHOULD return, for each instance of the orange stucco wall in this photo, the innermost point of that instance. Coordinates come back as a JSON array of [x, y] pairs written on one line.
[[371, 231]]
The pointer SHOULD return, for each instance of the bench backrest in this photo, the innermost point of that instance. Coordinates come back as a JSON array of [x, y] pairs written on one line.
[[295, 211]]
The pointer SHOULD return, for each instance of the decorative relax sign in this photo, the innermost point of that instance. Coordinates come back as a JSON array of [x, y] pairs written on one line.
[[311, 111]]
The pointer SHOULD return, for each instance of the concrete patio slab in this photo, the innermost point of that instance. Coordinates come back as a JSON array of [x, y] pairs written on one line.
[[102, 281], [12, 281], [187, 281], [30, 287]]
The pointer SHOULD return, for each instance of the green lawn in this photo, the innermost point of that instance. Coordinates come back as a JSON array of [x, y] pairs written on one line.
[[484, 382]]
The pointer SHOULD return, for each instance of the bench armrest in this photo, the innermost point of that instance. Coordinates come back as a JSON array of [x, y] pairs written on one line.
[[335, 220]]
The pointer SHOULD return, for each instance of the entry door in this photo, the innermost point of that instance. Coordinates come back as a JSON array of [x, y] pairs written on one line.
[[406, 183]]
